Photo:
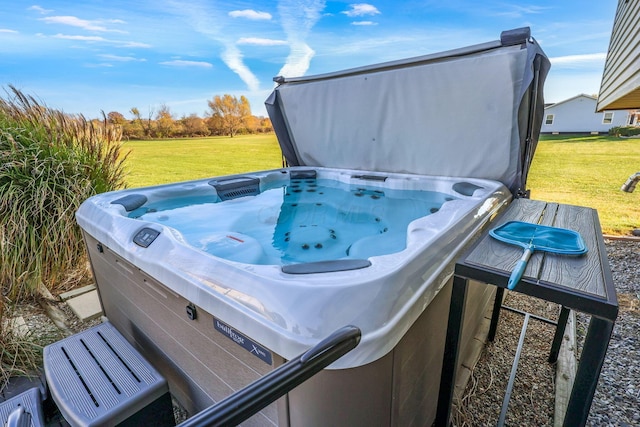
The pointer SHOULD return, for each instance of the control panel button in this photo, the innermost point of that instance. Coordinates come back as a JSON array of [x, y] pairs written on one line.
[[145, 237]]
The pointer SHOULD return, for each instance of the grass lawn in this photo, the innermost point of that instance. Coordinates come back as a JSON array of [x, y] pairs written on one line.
[[172, 160], [589, 171], [578, 170]]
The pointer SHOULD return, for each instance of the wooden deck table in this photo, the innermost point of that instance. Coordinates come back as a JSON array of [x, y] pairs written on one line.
[[582, 283]]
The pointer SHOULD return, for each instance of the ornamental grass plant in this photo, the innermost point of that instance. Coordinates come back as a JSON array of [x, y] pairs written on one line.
[[50, 162]]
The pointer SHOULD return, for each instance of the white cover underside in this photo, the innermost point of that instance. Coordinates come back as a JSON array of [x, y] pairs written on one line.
[[456, 117]]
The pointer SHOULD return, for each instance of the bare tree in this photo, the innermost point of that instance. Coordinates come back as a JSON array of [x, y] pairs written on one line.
[[149, 125]]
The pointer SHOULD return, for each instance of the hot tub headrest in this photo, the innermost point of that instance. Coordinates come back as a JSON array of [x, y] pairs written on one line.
[[233, 188], [465, 188], [303, 174], [131, 202]]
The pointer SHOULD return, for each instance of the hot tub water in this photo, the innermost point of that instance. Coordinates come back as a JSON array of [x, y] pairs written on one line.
[[304, 220]]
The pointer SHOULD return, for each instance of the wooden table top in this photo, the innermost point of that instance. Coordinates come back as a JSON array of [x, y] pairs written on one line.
[[581, 282]]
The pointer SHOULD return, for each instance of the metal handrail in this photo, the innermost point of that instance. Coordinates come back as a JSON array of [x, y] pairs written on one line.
[[251, 399]]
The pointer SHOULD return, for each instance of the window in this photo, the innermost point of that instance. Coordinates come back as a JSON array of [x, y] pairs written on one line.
[[607, 118], [549, 119]]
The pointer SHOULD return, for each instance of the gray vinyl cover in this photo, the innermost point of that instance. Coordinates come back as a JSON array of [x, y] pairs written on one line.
[[470, 112]]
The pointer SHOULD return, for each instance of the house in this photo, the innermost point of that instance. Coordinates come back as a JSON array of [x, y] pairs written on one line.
[[578, 115], [620, 87]]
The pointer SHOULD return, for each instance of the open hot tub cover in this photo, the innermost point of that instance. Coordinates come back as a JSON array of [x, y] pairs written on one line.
[[470, 112]]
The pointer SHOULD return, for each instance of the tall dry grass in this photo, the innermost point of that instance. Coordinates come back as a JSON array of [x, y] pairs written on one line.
[[50, 162]]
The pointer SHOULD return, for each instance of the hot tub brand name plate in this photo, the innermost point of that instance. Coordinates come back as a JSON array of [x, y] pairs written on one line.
[[243, 341]]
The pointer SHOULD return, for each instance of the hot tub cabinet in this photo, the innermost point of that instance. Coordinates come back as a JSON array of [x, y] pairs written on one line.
[[216, 313], [203, 365]]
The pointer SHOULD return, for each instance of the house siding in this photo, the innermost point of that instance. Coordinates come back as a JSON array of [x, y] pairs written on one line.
[[578, 115], [620, 87]]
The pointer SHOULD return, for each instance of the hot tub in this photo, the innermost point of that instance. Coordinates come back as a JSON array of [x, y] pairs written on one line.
[[211, 244], [220, 280]]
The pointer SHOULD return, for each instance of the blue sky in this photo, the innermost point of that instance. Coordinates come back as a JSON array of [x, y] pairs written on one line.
[[84, 57]]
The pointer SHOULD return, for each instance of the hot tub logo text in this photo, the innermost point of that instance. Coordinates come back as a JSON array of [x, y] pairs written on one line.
[[243, 341]]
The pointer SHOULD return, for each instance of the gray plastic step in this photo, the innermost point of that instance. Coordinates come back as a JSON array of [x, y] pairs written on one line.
[[24, 409], [97, 378]]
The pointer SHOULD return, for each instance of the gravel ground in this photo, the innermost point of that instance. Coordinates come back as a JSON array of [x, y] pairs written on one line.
[[617, 398]]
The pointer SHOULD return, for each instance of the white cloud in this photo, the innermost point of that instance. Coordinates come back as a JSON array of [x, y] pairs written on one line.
[[74, 21], [211, 23], [82, 38], [134, 44], [101, 65], [364, 23], [517, 11], [261, 42], [6, 30], [119, 58], [298, 60], [577, 60], [361, 9], [39, 9], [233, 58], [251, 14], [100, 39], [182, 63], [298, 18]]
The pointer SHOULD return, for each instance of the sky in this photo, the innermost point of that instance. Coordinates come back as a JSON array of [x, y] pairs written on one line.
[[92, 56]]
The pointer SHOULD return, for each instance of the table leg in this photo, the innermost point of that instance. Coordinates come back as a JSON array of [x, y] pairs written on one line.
[[557, 338], [591, 360], [495, 314], [451, 347]]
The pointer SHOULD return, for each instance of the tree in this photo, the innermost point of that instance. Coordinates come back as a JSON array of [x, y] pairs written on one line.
[[265, 125], [136, 113], [194, 126], [148, 128], [135, 128], [215, 125], [231, 111], [251, 124], [116, 118], [164, 122]]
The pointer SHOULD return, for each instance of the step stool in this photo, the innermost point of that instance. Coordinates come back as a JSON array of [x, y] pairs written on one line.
[[24, 409], [97, 378]]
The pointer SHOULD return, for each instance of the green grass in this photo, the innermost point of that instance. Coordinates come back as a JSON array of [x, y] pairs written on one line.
[[578, 170], [174, 160], [589, 171]]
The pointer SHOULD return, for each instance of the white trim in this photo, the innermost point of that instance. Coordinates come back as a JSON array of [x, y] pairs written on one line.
[[607, 118], [549, 118]]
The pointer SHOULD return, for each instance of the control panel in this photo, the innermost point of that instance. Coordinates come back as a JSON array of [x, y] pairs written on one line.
[[145, 237]]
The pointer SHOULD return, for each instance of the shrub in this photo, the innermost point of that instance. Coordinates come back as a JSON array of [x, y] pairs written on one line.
[[624, 131], [20, 355], [49, 163]]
